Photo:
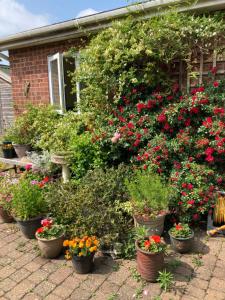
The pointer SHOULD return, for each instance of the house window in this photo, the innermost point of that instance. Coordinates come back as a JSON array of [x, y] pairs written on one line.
[[60, 87]]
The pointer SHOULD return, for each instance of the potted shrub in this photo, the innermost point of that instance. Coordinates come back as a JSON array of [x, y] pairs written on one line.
[[50, 238], [28, 205], [150, 257], [82, 251], [8, 150], [149, 201], [181, 237]]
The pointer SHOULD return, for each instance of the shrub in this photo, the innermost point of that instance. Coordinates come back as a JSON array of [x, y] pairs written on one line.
[[90, 207]]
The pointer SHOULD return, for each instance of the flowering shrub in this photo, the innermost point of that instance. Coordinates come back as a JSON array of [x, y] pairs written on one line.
[[49, 230], [180, 231], [153, 244], [6, 185], [181, 137], [81, 246]]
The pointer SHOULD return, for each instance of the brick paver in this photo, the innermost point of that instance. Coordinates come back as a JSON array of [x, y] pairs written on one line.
[[25, 275]]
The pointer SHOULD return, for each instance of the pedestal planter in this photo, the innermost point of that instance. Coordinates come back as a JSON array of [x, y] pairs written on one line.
[[155, 226], [149, 264], [29, 227], [21, 150], [83, 264], [182, 245], [50, 248], [5, 216], [61, 160]]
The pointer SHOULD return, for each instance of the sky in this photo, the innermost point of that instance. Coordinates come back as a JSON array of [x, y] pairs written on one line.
[[20, 15]]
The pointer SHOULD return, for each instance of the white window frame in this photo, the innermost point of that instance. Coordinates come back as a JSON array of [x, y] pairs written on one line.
[[59, 58]]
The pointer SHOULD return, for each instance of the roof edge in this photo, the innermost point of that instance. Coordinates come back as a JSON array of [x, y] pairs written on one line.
[[82, 26]]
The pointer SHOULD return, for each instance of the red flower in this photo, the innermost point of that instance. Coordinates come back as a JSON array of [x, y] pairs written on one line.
[[219, 180], [187, 122], [190, 186], [147, 244], [140, 106], [110, 122], [184, 194], [191, 202], [145, 167], [130, 125], [215, 84], [194, 110], [213, 70], [178, 227], [46, 223], [46, 179], [219, 110], [156, 238], [184, 185], [161, 118], [208, 122], [40, 230], [195, 217], [136, 143], [209, 151]]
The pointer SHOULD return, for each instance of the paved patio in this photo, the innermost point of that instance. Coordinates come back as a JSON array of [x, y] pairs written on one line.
[[25, 275]]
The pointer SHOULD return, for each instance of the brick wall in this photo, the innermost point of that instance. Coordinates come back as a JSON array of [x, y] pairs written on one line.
[[29, 65]]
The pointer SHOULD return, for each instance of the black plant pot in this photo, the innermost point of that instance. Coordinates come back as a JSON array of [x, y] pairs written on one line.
[[182, 245], [29, 227], [8, 152], [83, 264]]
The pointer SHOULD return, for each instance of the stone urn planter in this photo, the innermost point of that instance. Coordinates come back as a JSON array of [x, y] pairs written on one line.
[[149, 264], [5, 216], [62, 160], [83, 264], [29, 227], [50, 248], [154, 226], [21, 150], [182, 245]]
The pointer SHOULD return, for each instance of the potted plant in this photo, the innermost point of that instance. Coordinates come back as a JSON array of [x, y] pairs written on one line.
[[50, 238], [181, 237], [82, 251], [149, 201], [28, 205], [150, 256], [8, 150]]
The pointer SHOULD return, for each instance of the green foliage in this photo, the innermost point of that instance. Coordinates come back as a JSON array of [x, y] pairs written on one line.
[[90, 206], [181, 231], [49, 233], [165, 280], [149, 195], [28, 200], [6, 184], [134, 52]]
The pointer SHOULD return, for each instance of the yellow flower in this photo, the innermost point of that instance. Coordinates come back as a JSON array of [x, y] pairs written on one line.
[[88, 243], [68, 256], [71, 243], [66, 243], [80, 254], [96, 243], [93, 249], [81, 245]]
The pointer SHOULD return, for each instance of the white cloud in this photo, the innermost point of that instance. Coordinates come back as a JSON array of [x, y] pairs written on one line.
[[14, 17], [86, 12]]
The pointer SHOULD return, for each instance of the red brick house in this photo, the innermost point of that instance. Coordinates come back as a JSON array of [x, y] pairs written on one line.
[[38, 67]]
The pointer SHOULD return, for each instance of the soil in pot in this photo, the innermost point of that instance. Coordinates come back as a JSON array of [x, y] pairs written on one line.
[[29, 227], [83, 264], [149, 264], [182, 245], [21, 150], [51, 248], [155, 226], [5, 216]]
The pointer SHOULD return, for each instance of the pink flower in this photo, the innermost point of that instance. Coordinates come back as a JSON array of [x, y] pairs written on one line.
[[28, 167], [116, 137]]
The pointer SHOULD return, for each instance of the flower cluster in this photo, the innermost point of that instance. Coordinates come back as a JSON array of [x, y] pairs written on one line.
[[84, 246], [181, 231], [49, 230], [153, 244]]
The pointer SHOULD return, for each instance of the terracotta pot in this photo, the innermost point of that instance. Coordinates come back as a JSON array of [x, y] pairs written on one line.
[[29, 227], [21, 150], [83, 264], [50, 248], [182, 245], [155, 226], [149, 264], [5, 216]]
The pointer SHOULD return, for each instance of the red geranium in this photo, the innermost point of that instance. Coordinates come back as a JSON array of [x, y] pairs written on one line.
[[156, 238], [178, 227]]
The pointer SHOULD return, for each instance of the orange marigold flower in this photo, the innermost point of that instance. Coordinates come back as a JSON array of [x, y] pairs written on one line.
[[93, 249], [66, 243]]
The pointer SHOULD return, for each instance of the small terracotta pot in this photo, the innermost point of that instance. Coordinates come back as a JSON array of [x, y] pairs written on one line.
[[83, 264], [155, 226], [182, 245], [5, 216], [149, 264], [29, 227], [21, 150], [50, 248]]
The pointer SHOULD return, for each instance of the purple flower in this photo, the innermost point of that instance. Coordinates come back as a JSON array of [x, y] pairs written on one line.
[[34, 182]]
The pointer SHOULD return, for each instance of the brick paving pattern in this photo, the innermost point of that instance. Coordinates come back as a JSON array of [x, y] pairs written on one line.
[[26, 275]]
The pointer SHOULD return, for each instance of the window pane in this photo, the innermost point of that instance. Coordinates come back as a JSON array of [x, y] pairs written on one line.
[[55, 83], [70, 98]]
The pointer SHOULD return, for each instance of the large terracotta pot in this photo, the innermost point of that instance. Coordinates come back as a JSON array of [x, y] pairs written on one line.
[[149, 264], [50, 248], [83, 264], [5, 216], [182, 245], [155, 226], [29, 227], [21, 150]]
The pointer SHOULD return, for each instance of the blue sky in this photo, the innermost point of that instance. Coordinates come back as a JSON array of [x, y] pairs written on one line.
[[20, 15]]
